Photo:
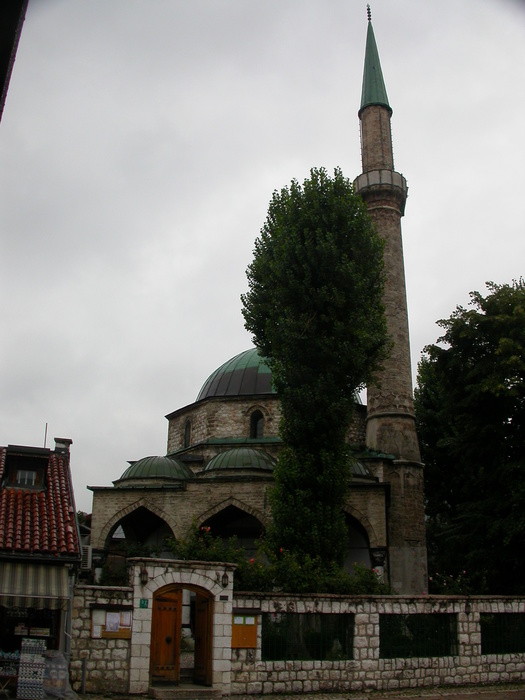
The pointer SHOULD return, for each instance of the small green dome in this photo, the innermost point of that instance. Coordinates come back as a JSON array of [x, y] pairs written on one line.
[[241, 458], [157, 468], [245, 374]]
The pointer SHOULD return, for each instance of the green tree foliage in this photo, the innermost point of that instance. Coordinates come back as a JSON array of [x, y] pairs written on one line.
[[470, 408], [314, 307], [269, 571]]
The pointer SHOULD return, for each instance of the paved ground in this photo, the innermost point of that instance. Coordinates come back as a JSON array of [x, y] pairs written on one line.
[[492, 692]]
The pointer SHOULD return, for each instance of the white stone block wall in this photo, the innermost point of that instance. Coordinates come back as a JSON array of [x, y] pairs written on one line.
[[122, 666], [367, 671], [106, 661]]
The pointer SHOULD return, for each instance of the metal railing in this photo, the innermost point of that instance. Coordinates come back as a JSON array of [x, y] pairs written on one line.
[[419, 635], [502, 633], [307, 636]]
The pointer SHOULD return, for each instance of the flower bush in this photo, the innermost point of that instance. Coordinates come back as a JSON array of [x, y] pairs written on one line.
[[284, 571], [447, 584]]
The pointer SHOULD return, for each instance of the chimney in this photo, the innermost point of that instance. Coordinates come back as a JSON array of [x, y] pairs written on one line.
[[62, 445]]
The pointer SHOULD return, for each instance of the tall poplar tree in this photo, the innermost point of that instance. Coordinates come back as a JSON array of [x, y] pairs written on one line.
[[315, 311]]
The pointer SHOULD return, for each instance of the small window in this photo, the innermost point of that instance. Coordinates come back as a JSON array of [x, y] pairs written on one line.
[[187, 433], [256, 425], [25, 477]]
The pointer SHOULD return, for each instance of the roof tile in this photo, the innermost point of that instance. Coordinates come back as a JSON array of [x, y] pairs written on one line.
[[39, 521]]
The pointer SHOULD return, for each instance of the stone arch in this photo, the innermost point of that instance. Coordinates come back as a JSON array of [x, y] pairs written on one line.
[[190, 578], [128, 510], [234, 521], [232, 501], [257, 407], [365, 523]]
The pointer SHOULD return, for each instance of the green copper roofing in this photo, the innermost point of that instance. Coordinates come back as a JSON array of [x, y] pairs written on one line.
[[241, 458], [374, 91], [358, 469], [245, 374], [157, 467]]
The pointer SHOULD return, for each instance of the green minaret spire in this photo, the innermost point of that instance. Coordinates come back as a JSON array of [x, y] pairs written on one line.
[[374, 91]]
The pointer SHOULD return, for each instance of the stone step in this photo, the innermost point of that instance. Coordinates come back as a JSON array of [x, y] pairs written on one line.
[[183, 691]]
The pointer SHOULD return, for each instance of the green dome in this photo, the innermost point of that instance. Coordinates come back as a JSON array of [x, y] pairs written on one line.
[[245, 374], [157, 468], [241, 458]]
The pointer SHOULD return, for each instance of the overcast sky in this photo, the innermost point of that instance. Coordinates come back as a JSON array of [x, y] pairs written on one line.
[[139, 148]]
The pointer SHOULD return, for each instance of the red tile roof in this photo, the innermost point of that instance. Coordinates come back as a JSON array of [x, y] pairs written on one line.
[[39, 522]]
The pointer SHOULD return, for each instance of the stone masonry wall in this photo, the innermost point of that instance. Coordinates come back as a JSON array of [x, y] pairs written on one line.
[[367, 671], [228, 417], [106, 661], [222, 417]]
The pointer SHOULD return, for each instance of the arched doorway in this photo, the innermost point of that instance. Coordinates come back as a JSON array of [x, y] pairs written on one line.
[[171, 604]]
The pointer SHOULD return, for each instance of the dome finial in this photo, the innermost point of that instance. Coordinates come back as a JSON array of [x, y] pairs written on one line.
[[369, 13]]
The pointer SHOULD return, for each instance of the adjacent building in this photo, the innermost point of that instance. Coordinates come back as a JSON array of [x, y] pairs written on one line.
[[39, 545]]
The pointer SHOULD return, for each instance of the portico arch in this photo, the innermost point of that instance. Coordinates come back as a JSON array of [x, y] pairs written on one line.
[[111, 525]]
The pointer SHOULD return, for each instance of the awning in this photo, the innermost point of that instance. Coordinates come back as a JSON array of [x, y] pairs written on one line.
[[33, 585]]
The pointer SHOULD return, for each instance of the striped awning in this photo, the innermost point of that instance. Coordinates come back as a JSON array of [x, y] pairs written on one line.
[[33, 585]]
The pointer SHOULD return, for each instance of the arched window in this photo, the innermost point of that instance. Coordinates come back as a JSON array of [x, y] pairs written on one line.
[[256, 424], [187, 433]]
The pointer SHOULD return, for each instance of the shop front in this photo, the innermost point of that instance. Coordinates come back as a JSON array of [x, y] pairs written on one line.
[[34, 603]]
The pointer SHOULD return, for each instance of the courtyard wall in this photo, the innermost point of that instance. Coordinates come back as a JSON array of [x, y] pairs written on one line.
[[107, 660]]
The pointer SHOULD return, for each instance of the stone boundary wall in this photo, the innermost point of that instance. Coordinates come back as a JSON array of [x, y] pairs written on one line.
[[107, 661], [367, 671], [111, 664]]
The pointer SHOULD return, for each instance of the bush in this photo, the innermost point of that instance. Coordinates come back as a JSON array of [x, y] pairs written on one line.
[[286, 571]]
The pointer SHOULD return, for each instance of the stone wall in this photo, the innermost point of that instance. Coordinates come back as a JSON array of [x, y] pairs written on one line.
[[229, 417], [106, 661], [367, 671], [122, 665], [222, 417]]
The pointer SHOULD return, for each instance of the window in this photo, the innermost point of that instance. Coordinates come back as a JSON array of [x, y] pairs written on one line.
[[187, 433], [256, 425], [26, 467], [25, 477]]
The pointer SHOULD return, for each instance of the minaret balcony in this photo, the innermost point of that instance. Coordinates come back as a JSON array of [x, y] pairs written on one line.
[[382, 182]]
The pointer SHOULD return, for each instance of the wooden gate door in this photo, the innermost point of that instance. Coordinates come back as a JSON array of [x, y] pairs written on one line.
[[165, 636], [202, 670]]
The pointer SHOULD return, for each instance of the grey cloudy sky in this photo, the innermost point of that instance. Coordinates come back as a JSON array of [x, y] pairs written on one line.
[[139, 147]]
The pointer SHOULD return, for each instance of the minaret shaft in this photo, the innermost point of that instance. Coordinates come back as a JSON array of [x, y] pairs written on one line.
[[376, 139]]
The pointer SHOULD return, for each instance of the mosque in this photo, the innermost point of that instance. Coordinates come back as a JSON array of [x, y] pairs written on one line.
[[221, 449]]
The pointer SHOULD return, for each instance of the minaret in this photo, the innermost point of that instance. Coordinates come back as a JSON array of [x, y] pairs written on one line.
[[390, 428], [390, 415]]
